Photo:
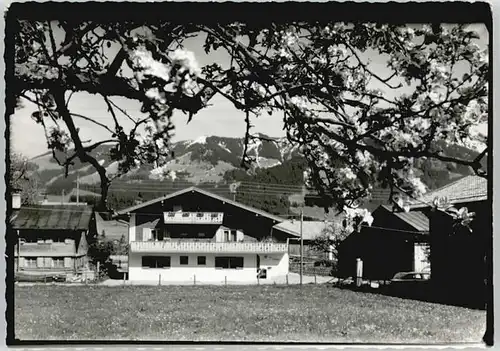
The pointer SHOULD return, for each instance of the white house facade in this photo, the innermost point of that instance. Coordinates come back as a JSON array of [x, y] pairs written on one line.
[[199, 237]]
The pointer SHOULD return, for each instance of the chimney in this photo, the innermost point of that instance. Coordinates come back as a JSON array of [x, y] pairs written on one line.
[[16, 201]]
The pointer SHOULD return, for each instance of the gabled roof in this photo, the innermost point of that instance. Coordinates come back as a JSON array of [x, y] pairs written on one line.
[[114, 229], [467, 189], [418, 220], [206, 193], [310, 229], [53, 217]]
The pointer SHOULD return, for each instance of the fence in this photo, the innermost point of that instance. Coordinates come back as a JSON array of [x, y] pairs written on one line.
[[308, 268], [289, 279]]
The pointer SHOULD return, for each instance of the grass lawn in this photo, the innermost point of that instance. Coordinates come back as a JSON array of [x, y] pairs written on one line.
[[314, 313]]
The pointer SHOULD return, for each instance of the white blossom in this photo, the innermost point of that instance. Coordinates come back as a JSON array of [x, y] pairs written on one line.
[[418, 186], [419, 123], [361, 213], [337, 51], [143, 59], [347, 173], [289, 38], [159, 143], [427, 29], [259, 89], [172, 175], [300, 102], [187, 61], [282, 52], [154, 94], [439, 70]]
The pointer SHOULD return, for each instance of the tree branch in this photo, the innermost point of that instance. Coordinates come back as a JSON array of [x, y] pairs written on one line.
[[92, 121], [365, 67]]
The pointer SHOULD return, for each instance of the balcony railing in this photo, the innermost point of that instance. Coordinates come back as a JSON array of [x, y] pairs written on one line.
[[193, 217], [207, 247]]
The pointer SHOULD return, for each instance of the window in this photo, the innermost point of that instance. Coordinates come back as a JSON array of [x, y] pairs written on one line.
[[202, 260], [30, 262], [186, 214], [229, 262], [226, 235], [147, 234], [157, 234], [58, 262], [201, 235], [199, 214], [184, 260], [233, 235], [156, 261]]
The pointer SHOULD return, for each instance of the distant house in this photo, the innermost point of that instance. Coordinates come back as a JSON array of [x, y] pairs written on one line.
[[69, 198], [52, 239], [116, 232], [195, 235], [310, 231], [395, 242], [113, 230]]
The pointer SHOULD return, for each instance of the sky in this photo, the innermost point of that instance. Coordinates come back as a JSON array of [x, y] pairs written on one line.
[[221, 118]]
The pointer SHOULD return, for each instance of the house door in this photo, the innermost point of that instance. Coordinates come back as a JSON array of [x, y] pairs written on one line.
[[421, 260]]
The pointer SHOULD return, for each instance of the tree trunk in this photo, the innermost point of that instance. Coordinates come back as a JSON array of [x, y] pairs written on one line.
[[80, 149]]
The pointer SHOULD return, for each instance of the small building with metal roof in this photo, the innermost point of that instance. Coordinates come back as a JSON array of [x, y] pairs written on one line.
[[52, 239]]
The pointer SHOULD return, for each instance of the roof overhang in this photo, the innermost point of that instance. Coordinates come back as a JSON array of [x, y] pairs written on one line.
[[206, 193]]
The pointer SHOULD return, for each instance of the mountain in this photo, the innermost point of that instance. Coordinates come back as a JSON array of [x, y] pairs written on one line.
[[213, 160], [205, 159]]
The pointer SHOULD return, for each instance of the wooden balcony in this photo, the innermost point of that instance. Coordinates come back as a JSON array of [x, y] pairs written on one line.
[[206, 247], [193, 217]]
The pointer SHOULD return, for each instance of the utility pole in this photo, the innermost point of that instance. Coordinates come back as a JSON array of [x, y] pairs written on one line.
[[77, 188], [304, 177], [233, 189], [18, 250], [301, 245]]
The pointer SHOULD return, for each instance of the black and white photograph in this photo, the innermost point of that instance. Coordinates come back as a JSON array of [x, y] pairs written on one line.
[[222, 172]]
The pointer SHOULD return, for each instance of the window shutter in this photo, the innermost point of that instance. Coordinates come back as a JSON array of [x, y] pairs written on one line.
[[146, 234]]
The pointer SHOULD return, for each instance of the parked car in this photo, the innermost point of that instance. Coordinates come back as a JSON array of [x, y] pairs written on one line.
[[409, 282], [410, 277]]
